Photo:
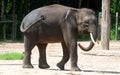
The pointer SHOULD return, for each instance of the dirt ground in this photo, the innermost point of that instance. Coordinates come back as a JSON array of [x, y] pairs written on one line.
[[94, 62]]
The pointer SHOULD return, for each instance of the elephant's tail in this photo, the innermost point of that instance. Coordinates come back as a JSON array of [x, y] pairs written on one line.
[[24, 29]]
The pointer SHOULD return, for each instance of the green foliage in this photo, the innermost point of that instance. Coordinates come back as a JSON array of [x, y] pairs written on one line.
[[114, 7], [11, 56], [112, 34], [8, 7]]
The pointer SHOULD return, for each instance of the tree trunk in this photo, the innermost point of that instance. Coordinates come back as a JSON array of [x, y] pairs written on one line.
[[79, 5], [116, 27], [3, 18], [14, 23], [105, 27]]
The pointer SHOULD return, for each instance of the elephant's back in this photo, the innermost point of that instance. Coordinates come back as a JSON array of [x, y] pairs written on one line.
[[54, 12], [51, 13]]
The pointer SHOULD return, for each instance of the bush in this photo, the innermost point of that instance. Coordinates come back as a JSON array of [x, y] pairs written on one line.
[[112, 34]]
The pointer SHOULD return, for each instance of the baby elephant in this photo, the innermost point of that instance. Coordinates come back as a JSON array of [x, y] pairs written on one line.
[[57, 23]]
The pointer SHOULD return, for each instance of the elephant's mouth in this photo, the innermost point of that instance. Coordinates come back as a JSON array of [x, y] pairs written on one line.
[[85, 31], [95, 41]]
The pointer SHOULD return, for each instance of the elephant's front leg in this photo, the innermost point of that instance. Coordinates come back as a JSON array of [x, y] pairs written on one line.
[[42, 54], [73, 55], [70, 38], [65, 56]]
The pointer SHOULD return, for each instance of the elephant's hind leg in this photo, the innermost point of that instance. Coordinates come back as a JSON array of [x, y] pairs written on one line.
[[42, 54], [65, 57], [27, 54]]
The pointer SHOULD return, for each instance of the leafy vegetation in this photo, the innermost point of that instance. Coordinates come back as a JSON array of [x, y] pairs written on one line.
[[11, 56], [114, 7]]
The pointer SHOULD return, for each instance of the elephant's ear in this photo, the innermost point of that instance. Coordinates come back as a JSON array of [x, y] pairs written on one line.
[[71, 17], [70, 12]]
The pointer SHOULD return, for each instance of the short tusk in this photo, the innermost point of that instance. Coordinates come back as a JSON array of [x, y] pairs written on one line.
[[97, 41], [93, 39]]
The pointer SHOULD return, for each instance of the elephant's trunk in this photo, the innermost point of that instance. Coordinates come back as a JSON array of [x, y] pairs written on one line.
[[93, 41]]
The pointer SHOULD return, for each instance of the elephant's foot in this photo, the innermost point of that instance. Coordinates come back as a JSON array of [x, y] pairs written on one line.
[[27, 66], [61, 66], [43, 66], [75, 69]]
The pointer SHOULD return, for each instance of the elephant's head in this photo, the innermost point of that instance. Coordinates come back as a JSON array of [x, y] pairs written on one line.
[[86, 24]]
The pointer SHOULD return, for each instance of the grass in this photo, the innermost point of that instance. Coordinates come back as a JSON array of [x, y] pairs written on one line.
[[1, 42], [11, 56]]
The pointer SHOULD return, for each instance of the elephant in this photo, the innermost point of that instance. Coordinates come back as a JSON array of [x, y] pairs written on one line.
[[57, 23]]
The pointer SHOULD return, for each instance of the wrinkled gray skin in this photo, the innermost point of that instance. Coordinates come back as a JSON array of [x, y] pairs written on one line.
[[56, 23]]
